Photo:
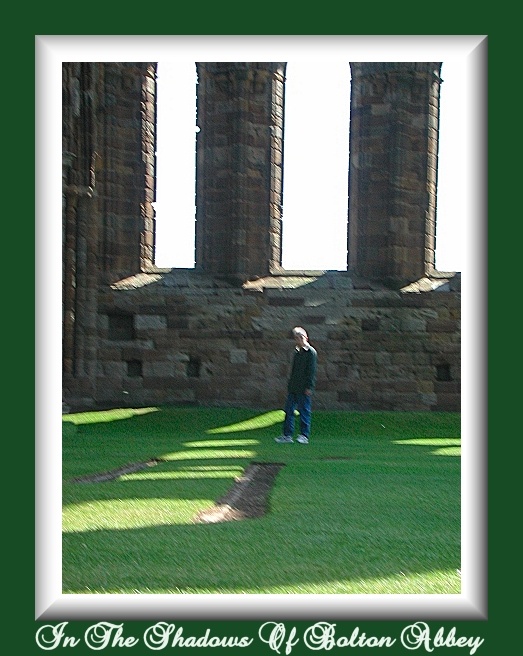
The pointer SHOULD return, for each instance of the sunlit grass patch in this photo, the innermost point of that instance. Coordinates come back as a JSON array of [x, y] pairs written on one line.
[[208, 454], [119, 514], [259, 421], [204, 444], [446, 446], [229, 473], [116, 414]]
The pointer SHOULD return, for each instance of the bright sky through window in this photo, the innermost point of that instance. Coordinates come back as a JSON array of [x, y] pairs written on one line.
[[316, 166], [316, 155]]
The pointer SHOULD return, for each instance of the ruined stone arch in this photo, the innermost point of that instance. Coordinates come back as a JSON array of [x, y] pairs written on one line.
[[108, 238], [392, 175]]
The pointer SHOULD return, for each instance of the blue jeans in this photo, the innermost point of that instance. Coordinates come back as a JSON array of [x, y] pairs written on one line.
[[303, 403]]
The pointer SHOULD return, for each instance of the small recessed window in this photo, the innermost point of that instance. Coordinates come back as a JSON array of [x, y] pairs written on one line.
[[193, 367], [134, 368], [443, 372], [121, 327]]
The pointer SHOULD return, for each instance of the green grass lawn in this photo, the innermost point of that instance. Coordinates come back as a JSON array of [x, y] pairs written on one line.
[[370, 506]]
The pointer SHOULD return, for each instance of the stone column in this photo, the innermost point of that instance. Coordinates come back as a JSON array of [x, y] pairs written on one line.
[[393, 170], [239, 168], [68, 265], [80, 227], [126, 177]]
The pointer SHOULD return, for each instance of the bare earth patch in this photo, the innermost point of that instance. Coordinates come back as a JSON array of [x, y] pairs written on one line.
[[248, 498]]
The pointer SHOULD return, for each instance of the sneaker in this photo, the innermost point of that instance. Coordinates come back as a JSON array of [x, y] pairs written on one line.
[[302, 439], [284, 439]]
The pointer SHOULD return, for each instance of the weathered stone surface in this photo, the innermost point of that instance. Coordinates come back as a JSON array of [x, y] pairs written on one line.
[[386, 341], [387, 330]]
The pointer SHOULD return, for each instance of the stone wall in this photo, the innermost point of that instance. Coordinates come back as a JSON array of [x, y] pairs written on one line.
[[190, 339], [387, 329]]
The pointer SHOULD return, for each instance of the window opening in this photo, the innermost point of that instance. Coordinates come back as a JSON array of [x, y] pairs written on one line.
[[316, 161], [134, 368], [452, 168], [175, 205], [194, 366], [443, 372]]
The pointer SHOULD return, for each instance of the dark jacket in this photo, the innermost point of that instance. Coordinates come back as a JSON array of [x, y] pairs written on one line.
[[303, 372]]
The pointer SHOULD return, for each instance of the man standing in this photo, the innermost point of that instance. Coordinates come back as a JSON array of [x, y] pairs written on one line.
[[301, 385]]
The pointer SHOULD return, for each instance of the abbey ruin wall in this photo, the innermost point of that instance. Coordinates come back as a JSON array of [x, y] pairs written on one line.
[[387, 330]]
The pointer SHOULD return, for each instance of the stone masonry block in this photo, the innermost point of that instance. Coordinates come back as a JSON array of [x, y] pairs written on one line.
[[238, 356], [151, 322]]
